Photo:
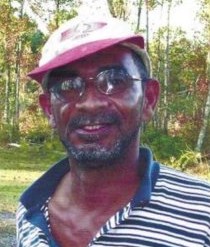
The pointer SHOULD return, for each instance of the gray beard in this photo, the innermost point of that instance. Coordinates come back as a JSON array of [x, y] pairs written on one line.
[[97, 157]]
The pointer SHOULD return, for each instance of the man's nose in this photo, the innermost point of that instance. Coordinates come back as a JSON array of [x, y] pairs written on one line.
[[92, 100]]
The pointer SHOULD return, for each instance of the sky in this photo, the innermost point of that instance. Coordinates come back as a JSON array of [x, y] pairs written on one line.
[[183, 16]]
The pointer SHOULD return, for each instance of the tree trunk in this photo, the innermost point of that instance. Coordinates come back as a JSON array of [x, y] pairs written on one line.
[[17, 78], [139, 15], [147, 26], [17, 85], [57, 13], [206, 116], [157, 117], [166, 72], [7, 95]]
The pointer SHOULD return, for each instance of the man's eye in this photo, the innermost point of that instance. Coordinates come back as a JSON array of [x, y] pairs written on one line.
[[69, 84], [116, 80], [114, 76], [117, 77]]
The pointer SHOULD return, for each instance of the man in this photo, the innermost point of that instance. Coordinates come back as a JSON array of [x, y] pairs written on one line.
[[97, 91]]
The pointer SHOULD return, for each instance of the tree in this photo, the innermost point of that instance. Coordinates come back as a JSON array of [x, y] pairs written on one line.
[[119, 8], [206, 19], [139, 5], [14, 53], [53, 12]]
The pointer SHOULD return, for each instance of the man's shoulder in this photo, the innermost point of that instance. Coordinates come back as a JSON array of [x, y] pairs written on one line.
[[179, 179]]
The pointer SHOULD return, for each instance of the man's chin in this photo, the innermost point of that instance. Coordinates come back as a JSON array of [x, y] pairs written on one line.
[[94, 155]]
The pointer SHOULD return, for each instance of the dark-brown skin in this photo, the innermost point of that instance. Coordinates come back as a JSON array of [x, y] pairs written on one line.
[[93, 191]]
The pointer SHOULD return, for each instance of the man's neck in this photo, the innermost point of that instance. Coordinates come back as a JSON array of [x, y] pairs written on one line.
[[86, 199], [100, 187]]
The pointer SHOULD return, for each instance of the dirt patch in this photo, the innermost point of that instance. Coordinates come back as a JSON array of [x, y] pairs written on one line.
[[7, 229]]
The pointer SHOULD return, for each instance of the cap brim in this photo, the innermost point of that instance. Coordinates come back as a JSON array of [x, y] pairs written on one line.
[[81, 51]]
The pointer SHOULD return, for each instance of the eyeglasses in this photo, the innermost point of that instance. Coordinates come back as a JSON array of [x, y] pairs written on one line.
[[68, 88]]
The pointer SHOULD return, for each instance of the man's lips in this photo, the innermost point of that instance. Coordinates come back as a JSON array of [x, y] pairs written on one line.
[[91, 123], [94, 129]]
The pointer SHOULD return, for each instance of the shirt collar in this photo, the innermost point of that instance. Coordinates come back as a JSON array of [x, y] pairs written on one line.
[[44, 187], [150, 172]]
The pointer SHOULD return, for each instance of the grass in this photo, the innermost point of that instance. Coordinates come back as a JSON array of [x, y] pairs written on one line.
[[201, 171], [19, 168], [30, 158], [13, 183]]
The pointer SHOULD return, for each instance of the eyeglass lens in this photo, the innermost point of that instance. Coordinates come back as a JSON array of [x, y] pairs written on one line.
[[110, 81]]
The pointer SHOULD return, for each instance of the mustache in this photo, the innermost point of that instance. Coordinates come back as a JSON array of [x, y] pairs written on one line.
[[90, 119]]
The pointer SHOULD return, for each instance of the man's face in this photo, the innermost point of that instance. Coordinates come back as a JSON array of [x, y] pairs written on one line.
[[97, 129]]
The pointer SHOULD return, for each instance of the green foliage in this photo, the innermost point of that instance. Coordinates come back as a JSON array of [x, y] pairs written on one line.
[[60, 17], [118, 8], [64, 10], [183, 97], [34, 127], [192, 162], [187, 159], [186, 92], [37, 41], [8, 133], [163, 145], [38, 136]]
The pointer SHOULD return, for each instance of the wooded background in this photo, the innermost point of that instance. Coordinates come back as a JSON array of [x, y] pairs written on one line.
[[181, 64]]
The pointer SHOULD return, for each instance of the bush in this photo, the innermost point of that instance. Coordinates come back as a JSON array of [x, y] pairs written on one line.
[[8, 133], [34, 127], [38, 136], [187, 159], [163, 146]]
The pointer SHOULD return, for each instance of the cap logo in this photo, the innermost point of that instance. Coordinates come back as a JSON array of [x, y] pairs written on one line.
[[81, 30]]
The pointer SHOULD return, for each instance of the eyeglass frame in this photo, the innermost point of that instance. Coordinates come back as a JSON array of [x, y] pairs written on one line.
[[46, 81]]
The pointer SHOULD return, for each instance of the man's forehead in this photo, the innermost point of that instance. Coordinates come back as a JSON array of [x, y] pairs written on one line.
[[70, 71], [118, 57], [107, 57]]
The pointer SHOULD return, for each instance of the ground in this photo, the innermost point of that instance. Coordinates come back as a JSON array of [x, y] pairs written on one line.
[[7, 229]]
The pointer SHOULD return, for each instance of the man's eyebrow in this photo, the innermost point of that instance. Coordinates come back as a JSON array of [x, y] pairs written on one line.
[[54, 75], [109, 67], [68, 72], [62, 72]]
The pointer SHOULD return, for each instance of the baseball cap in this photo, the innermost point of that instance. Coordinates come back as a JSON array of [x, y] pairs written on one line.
[[79, 37]]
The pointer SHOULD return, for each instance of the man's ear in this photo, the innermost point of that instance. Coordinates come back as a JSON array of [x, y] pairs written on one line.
[[44, 101], [151, 96]]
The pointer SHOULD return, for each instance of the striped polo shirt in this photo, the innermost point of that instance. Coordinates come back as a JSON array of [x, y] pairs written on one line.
[[170, 209]]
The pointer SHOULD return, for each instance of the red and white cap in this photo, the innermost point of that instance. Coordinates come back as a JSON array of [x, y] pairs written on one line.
[[78, 38]]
